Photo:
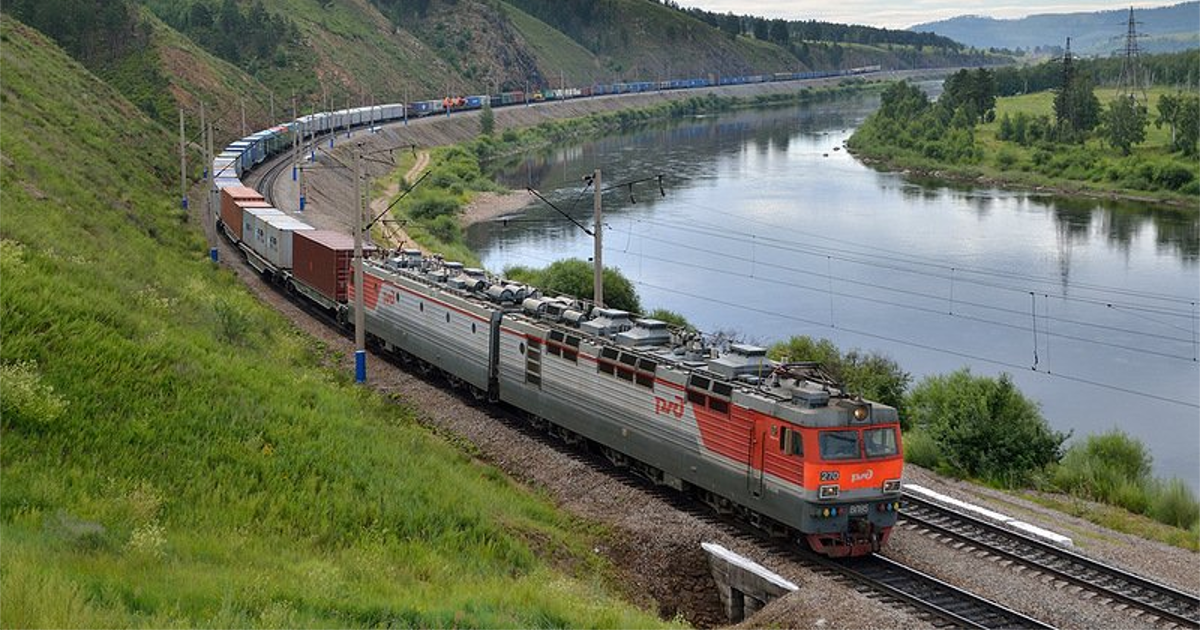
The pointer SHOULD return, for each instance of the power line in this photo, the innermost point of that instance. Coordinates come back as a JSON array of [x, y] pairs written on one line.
[[913, 344], [923, 346]]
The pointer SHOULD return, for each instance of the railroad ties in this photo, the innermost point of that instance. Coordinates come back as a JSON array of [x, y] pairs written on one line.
[[1122, 588]]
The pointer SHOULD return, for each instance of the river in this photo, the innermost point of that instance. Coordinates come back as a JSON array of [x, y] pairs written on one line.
[[765, 227]]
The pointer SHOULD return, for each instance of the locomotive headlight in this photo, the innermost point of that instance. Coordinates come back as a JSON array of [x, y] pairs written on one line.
[[891, 485], [862, 413], [827, 492]]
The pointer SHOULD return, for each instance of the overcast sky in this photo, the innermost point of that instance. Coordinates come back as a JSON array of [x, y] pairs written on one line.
[[892, 14]]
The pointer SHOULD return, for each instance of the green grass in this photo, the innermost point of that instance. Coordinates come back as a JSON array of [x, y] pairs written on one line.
[[174, 454], [557, 55], [1093, 166]]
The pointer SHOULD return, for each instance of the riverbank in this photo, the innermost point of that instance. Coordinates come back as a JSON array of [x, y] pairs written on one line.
[[983, 156]]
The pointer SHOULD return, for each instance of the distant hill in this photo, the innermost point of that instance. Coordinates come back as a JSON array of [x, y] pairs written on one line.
[[251, 61], [1099, 33]]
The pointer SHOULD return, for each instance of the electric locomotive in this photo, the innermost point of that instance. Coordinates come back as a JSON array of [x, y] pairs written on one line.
[[781, 444]]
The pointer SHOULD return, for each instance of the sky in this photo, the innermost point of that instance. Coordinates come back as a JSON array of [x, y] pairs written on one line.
[[892, 14]]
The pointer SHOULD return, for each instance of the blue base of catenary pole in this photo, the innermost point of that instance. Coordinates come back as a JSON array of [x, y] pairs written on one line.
[[360, 366], [185, 203], [330, 141], [301, 204], [294, 173], [213, 255]]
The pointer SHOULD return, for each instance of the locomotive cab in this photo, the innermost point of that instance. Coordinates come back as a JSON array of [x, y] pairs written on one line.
[[851, 461]]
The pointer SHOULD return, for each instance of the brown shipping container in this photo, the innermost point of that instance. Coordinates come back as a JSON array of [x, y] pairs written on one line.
[[322, 258], [231, 214]]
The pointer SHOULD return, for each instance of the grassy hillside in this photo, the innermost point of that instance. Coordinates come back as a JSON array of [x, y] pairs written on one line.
[[557, 55], [173, 454]]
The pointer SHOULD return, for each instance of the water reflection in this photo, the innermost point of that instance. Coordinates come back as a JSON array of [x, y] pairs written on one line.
[[769, 231]]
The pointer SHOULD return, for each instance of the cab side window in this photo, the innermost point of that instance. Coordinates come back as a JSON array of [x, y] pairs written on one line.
[[790, 442]]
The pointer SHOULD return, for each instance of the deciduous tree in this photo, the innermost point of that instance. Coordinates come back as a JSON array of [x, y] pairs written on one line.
[[1124, 123]]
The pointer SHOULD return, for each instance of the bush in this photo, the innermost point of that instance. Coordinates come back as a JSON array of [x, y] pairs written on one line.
[[1172, 176], [984, 427], [922, 450], [1175, 504], [1005, 158], [445, 229], [1111, 468], [432, 206]]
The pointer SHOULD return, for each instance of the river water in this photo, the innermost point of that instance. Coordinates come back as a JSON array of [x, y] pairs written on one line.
[[766, 228]]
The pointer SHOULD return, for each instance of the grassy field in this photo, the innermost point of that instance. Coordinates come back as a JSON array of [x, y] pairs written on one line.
[[173, 454], [1092, 168]]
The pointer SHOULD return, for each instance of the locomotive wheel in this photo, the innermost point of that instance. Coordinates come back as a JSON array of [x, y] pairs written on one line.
[[478, 394]]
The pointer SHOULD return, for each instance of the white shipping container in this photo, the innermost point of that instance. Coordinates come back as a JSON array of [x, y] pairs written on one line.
[[254, 231], [279, 230]]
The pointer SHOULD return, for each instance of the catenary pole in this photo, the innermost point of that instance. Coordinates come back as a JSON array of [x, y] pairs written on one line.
[[598, 271], [360, 329]]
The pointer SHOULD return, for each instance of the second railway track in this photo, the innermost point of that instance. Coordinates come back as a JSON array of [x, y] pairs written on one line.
[[1120, 587]]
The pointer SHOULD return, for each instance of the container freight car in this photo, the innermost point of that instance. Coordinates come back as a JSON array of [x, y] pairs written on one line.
[[321, 262], [231, 211]]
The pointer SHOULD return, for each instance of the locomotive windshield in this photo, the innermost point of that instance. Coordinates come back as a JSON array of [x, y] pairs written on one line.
[[839, 445], [880, 442]]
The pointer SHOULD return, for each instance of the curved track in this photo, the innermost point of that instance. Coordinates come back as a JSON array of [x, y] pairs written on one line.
[[1120, 587]]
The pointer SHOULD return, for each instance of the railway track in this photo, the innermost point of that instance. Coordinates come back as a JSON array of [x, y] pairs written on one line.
[[1121, 588], [944, 604]]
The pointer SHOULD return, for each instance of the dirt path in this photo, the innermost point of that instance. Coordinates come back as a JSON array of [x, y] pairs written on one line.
[[394, 234]]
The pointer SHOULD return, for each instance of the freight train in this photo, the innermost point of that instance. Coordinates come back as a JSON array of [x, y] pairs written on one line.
[[781, 445]]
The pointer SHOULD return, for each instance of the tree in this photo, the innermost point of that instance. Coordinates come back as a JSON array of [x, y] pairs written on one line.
[[762, 29], [1124, 123], [574, 277], [779, 32], [731, 25], [1168, 112], [984, 427], [487, 120], [1076, 108], [1189, 124]]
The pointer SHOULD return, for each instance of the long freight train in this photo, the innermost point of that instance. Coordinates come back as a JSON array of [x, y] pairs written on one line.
[[781, 444]]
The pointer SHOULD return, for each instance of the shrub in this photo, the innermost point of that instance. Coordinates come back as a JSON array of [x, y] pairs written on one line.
[[1173, 176], [432, 206], [984, 427], [1111, 467], [1005, 158], [921, 449], [445, 229], [1175, 504]]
